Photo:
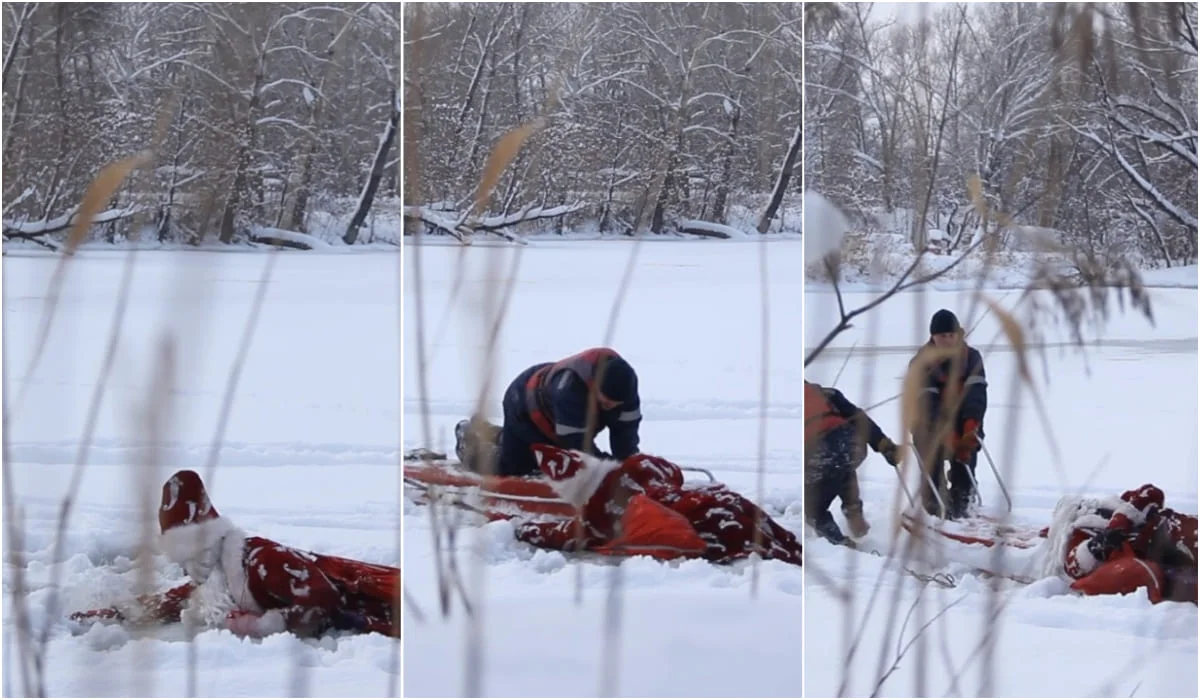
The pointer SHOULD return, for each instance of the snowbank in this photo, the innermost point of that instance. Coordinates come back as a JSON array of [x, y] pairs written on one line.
[[1181, 277]]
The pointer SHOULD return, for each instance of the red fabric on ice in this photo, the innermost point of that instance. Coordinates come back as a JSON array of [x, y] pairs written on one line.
[[727, 523]]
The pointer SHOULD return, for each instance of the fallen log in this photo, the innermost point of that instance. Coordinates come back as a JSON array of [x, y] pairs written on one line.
[[25, 229], [709, 229], [287, 239], [456, 225], [35, 237]]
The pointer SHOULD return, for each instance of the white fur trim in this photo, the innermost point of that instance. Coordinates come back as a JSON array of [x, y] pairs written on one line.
[[1129, 511], [1070, 514], [233, 564], [1085, 561], [577, 489], [208, 605], [187, 543]]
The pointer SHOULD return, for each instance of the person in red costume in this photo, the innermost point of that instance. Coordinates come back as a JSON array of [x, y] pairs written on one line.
[[1143, 544], [640, 504], [254, 586]]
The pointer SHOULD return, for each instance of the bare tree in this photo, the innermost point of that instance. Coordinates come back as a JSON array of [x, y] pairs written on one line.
[[276, 113], [1101, 152], [651, 114]]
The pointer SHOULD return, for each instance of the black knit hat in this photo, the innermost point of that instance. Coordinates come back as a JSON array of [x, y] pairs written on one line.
[[944, 321], [619, 381]]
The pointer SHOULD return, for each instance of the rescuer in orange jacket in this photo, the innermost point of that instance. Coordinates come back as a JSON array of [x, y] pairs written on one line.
[[836, 433], [552, 403]]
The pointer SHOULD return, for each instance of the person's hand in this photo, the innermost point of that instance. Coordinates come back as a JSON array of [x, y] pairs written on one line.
[[968, 443], [890, 451]]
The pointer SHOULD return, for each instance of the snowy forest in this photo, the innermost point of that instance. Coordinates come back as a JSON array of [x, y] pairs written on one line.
[[646, 117], [1098, 148], [240, 117]]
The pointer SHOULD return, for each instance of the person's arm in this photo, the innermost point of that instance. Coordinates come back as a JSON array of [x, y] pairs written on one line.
[[929, 392], [974, 404], [862, 422], [623, 432], [568, 396], [153, 607]]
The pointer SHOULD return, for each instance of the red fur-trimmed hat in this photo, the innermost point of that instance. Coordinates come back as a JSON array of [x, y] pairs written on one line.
[[184, 501]]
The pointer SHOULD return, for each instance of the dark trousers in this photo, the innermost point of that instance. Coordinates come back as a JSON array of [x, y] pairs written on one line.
[[519, 434], [957, 494], [830, 471]]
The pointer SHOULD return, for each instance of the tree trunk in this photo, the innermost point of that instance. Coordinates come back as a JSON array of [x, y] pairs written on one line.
[[241, 178], [781, 184], [368, 195], [722, 195]]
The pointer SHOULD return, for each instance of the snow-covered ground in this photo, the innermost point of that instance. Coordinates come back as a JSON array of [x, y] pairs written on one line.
[[691, 325], [1122, 413], [311, 457]]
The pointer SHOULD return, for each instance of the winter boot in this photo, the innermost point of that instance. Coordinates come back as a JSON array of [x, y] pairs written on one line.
[[460, 440], [859, 527], [475, 443], [852, 505], [828, 529], [962, 489]]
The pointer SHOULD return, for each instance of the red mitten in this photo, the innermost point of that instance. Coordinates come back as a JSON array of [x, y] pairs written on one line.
[[968, 443]]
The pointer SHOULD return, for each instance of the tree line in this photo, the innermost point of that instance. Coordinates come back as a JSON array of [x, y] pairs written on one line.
[[258, 115], [1081, 120], [651, 114]]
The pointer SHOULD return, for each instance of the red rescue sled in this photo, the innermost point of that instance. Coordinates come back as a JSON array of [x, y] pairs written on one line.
[[650, 529], [498, 496], [980, 529]]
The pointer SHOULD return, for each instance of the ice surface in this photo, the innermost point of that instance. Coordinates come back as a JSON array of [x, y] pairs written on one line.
[[1123, 412], [691, 326]]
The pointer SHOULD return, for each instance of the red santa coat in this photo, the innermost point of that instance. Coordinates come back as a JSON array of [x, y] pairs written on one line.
[[1157, 550], [1150, 531], [726, 525], [253, 585]]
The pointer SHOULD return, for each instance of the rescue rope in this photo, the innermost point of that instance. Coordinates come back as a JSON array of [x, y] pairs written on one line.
[[941, 578]]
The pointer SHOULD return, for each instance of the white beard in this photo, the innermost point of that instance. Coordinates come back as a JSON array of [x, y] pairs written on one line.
[[1071, 513], [209, 603], [212, 554]]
